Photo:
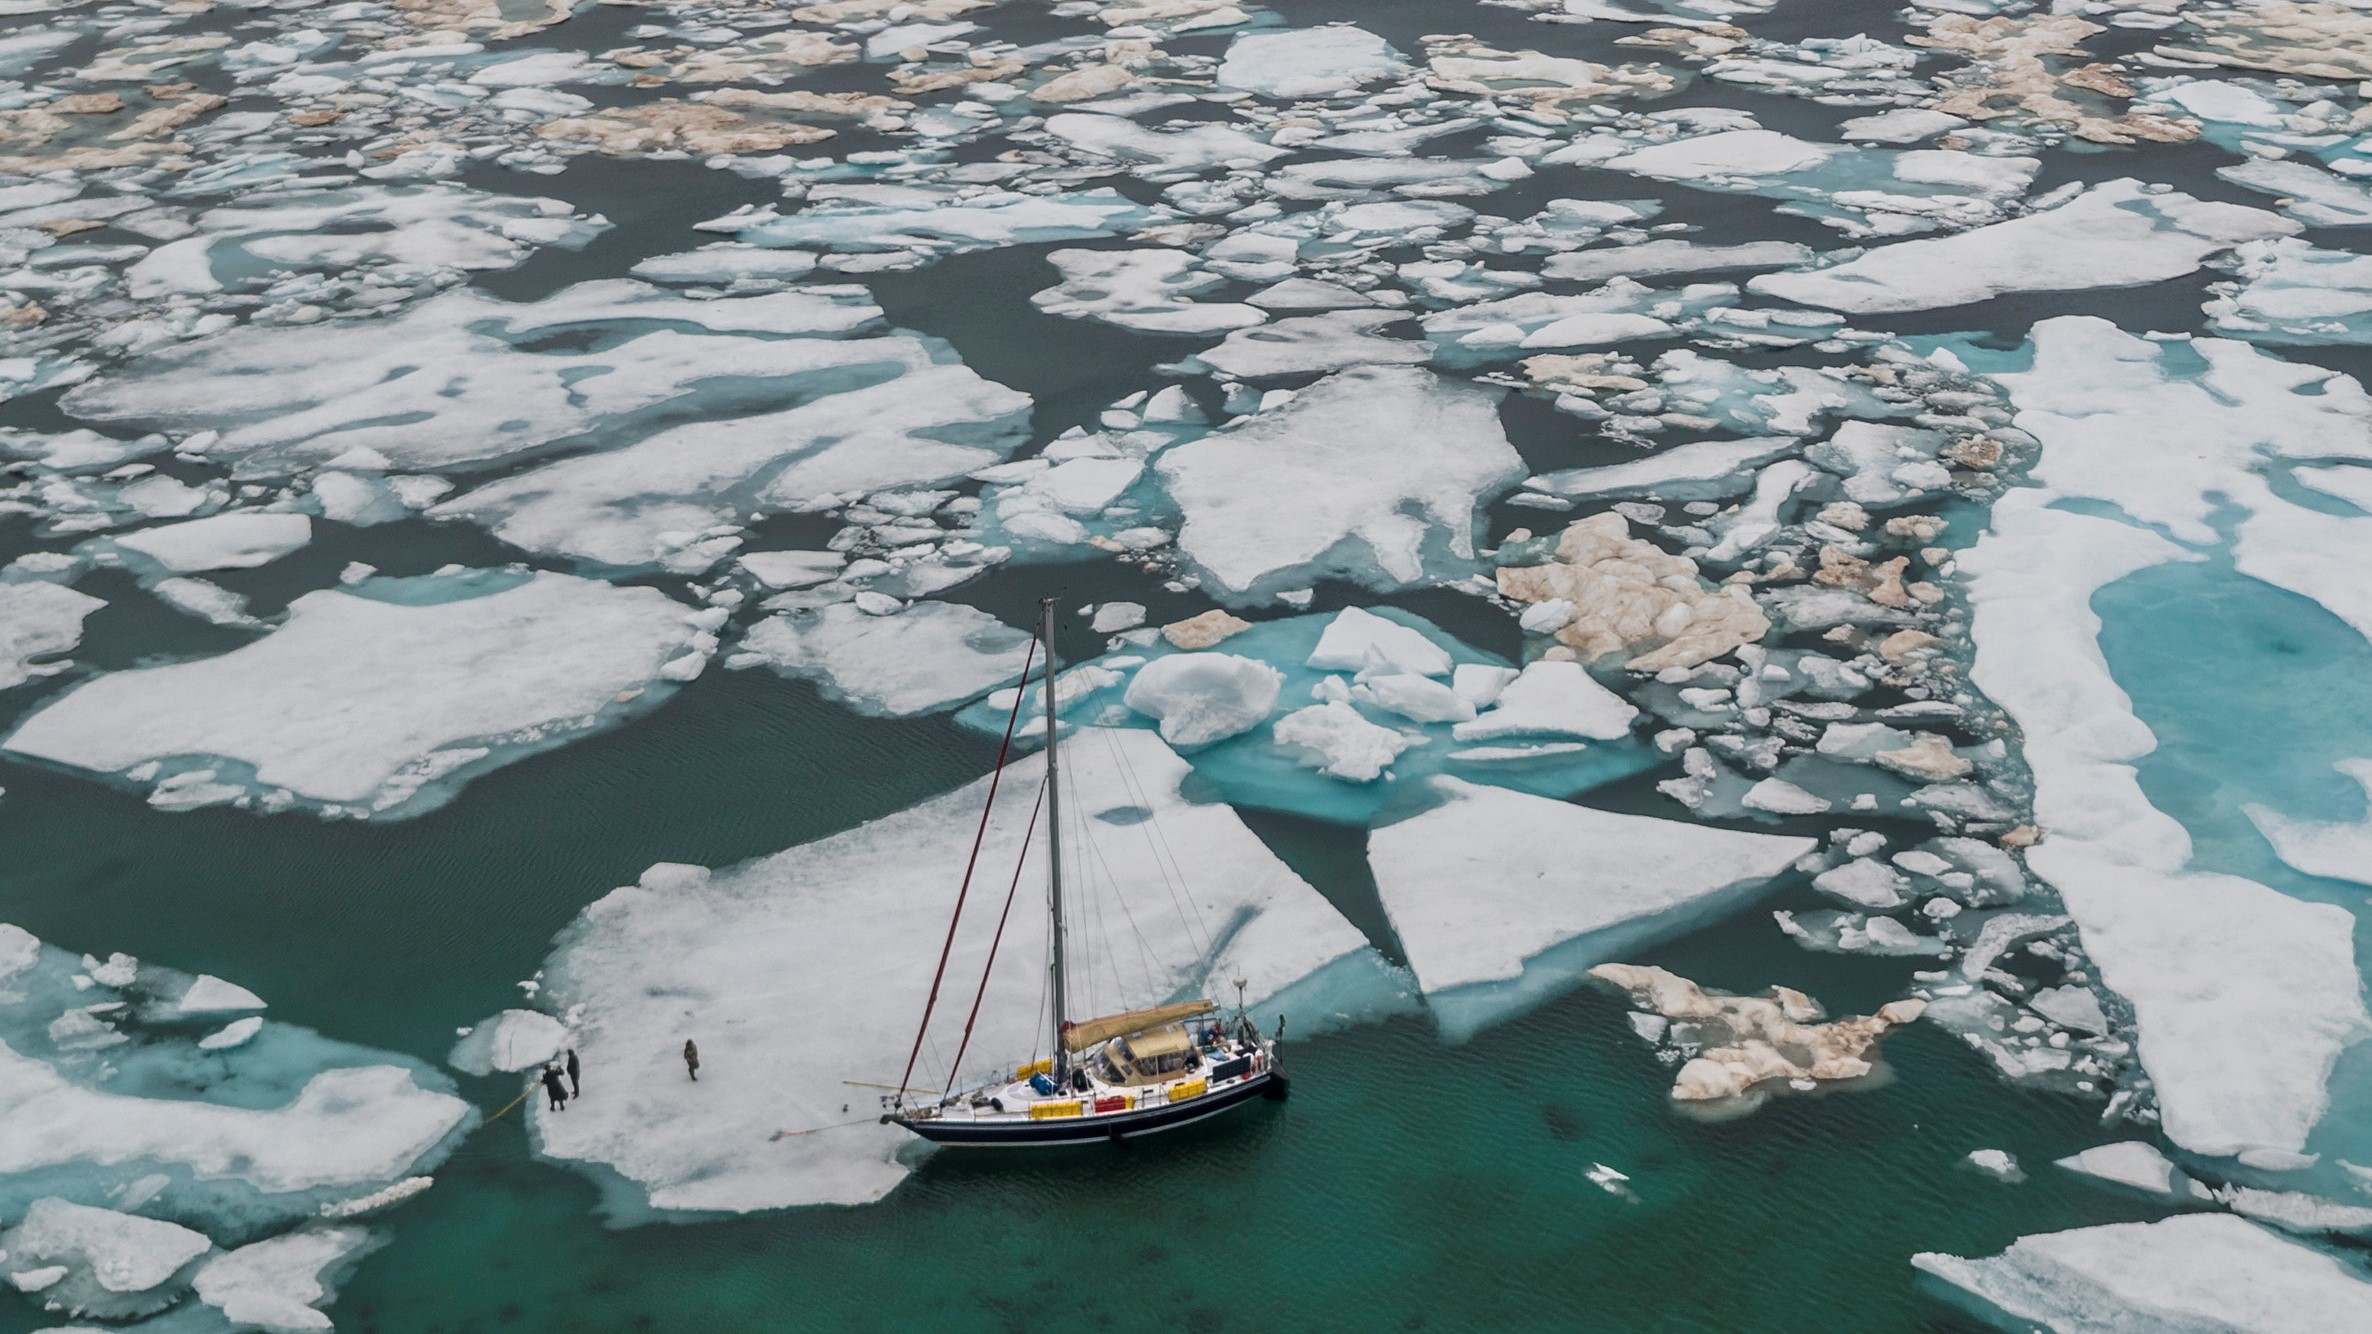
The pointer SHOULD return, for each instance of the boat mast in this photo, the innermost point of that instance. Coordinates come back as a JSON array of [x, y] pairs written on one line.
[[1062, 1057]]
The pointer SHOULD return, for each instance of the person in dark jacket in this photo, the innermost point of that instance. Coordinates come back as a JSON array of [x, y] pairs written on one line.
[[575, 1089], [554, 1089], [692, 1060]]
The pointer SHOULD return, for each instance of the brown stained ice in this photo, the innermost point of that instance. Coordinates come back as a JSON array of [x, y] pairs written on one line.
[[1745, 1041], [1633, 601]]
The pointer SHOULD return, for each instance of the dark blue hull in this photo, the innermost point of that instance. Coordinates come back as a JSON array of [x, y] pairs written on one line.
[[1095, 1129]]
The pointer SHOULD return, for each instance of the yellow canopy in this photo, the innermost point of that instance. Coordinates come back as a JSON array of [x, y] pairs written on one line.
[[1088, 1032]]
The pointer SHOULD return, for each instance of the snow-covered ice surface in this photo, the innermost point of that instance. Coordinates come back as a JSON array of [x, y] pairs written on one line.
[[935, 655], [378, 699], [1501, 900], [2189, 1272], [723, 958]]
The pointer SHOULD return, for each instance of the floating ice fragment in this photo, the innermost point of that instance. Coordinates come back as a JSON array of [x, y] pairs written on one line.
[[721, 961], [1500, 903], [211, 995], [114, 1262], [1337, 741], [2191, 1271], [1373, 475], [929, 657], [365, 698], [279, 1283], [1999, 1164], [236, 1033], [1552, 698], [222, 542], [2137, 1165], [1357, 639], [1310, 62], [1200, 698], [2113, 235], [39, 620]]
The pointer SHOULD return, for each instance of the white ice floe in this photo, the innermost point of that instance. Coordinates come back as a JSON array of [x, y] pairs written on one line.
[[1502, 899], [1338, 741], [725, 263], [366, 698], [732, 961], [2239, 1050], [1200, 698], [2135, 1164], [109, 1256], [221, 542], [903, 417], [928, 657], [2198, 1271], [1371, 475], [38, 621], [2116, 234], [1654, 258], [1150, 291], [280, 1283], [1308, 62], [511, 1041], [1166, 153], [1699, 469], [1311, 344], [910, 225], [444, 381], [211, 995], [1552, 699], [1358, 640]]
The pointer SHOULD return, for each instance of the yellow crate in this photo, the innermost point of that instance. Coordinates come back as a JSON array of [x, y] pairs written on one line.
[[1192, 1089], [1047, 1111], [1045, 1067]]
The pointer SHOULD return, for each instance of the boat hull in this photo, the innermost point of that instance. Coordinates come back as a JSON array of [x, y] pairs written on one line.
[[1268, 1084]]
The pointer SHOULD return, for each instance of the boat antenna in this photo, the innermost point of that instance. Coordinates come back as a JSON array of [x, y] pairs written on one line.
[[1062, 1055], [1239, 998]]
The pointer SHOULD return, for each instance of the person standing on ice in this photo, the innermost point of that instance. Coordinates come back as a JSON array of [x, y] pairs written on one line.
[[692, 1060], [575, 1089], [554, 1090]]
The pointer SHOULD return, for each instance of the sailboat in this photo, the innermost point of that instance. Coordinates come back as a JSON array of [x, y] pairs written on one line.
[[1110, 1077]]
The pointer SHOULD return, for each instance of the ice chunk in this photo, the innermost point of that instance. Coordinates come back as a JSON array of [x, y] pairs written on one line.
[[1417, 698], [1308, 62], [1310, 344], [450, 380], [2138, 1165], [1371, 475], [1552, 699], [1653, 258], [904, 416], [2070, 1007], [2113, 235], [222, 542], [368, 700], [1337, 741], [792, 569], [1777, 796], [211, 995], [2192, 1271], [1200, 698], [1701, 469], [929, 657], [1999, 1164], [279, 1283], [1116, 616], [510, 1041], [1357, 639], [236, 1033], [109, 1256], [38, 620], [1864, 884], [1150, 291], [798, 932], [1502, 899]]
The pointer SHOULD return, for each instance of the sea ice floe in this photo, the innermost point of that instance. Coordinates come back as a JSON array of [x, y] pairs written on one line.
[[445, 381], [747, 961], [1499, 906], [128, 1152], [2136, 1164], [1149, 291], [382, 698], [2116, 234], [2290, 291], [927, 657], [38, 621], [234, 541], [886, 413], [1199, 698], [280, 1283], [2192, 1271], [1308, 62], [1631, 600], [909, 225], [1372, 475], [2239, 1053]]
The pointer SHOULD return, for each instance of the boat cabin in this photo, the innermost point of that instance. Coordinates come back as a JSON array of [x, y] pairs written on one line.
[[1148, 1058]]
